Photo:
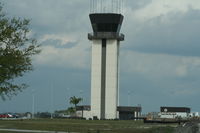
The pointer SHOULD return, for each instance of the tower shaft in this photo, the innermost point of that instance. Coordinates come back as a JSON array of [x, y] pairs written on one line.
[[104, 70], [104, 78]]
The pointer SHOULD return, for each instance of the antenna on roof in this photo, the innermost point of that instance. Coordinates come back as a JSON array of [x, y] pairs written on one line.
[[106, 6], [122, 9], [90, 6], [100, 5], [120, 5]]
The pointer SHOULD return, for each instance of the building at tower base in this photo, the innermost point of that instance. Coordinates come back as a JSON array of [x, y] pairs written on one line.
[[125, 112]]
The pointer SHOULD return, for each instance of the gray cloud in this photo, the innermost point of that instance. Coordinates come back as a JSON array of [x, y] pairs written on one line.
[[179, 36], [159, 58], [50, 16], [136, 4]]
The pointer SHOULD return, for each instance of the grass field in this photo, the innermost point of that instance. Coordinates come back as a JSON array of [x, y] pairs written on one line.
[[84, 126]]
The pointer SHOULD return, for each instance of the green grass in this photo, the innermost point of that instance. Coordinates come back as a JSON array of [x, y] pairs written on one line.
[[84, 126]]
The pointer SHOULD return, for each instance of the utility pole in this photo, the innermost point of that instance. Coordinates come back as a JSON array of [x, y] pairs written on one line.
[[33, 103]]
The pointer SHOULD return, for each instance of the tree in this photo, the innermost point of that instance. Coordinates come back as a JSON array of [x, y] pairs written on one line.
[[71, 110], [16, 50], [75, 101]]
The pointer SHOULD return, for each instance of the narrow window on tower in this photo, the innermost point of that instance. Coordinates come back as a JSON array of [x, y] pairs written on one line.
[[103, 78]]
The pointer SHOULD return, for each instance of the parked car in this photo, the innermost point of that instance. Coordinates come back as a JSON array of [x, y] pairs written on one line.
[[4, 116]]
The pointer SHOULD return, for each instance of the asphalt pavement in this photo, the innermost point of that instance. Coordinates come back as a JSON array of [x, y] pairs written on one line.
[[32, 131], [189, 127]]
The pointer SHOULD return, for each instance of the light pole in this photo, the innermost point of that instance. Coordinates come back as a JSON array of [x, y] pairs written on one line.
[[68, 94], [52, 88], [129, 93], [33, 103], [81, 95]]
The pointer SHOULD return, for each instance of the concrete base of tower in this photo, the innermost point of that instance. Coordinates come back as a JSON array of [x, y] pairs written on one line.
[[123, 113]]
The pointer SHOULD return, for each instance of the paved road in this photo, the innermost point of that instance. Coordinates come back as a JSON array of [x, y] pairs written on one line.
[[31, 131], [190, 127]]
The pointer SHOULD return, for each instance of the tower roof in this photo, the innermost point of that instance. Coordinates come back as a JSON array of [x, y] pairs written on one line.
[[106, 22]]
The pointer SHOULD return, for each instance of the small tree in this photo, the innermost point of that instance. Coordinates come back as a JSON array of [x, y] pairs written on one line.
[[70, 110], [74, 100]]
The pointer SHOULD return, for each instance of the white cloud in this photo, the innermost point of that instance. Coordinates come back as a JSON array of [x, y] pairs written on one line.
[[180, 92], [163, 7], [159, 65], [63, 38], [163, 26], [181, 70], [63, 57], [70, 57]]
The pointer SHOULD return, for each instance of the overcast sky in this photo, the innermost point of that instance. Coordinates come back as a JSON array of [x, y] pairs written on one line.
[[159, 59]]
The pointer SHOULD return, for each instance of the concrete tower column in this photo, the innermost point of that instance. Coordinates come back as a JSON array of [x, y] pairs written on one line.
[[96, 78], [112, 79]]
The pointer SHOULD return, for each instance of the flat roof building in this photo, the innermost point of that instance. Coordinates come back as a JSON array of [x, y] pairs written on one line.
[[124, 112], [175, 109], [174, 112], [129, 113]]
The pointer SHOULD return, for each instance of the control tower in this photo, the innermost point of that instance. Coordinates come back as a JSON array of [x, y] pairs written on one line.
[[106, 24]]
